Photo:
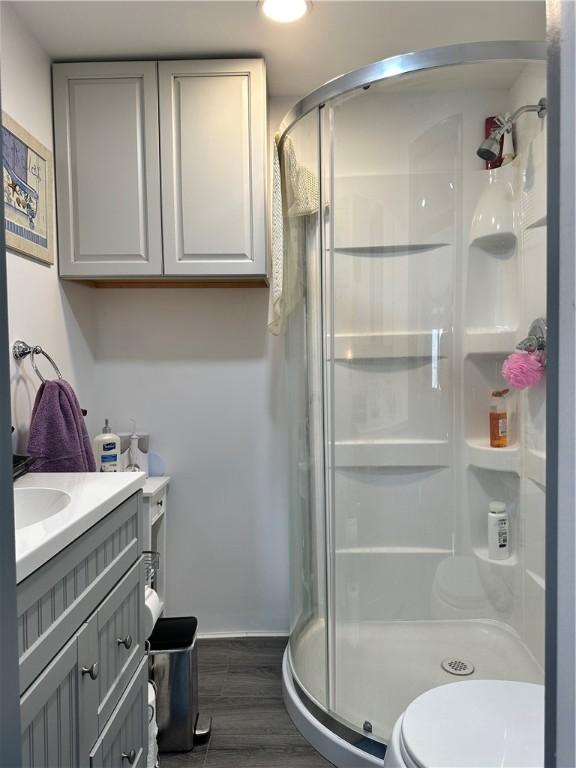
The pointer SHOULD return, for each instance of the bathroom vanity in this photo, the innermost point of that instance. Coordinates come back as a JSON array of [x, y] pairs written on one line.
[[81, 578]]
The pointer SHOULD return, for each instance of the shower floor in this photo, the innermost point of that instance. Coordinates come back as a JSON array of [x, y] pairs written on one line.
[[382, 666]]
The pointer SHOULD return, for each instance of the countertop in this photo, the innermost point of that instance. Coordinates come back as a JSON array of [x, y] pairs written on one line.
[[155, 484], [93, 496]]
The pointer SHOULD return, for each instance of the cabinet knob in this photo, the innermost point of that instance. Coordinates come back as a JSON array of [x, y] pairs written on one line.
[[160, 503], [130, 756], [125, 641], [92, 670]]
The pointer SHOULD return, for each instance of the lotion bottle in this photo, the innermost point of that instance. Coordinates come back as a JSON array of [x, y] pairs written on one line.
[[107, 450], [499, 419], [498, 531]]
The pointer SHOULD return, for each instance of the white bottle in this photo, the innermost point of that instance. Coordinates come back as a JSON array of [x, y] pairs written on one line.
[[107, 450], [498, 531]]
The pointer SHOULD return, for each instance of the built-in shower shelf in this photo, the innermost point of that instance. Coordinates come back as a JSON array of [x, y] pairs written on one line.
[[399, 249], [364, 346], [535, 466], [541, 222], [482, 555], [393, 551], [479, 453], [389, 453], [489, 341]]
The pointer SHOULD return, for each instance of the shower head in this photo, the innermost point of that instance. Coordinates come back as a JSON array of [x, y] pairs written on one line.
[[490, 147]]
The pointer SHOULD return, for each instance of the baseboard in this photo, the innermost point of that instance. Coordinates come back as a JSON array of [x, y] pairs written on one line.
[[239, 635]]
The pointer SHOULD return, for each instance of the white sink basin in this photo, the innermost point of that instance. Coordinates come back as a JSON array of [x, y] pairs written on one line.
[[34, 505]]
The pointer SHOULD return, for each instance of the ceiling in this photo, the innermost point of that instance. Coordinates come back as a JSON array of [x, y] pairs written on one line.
[[335, 37]]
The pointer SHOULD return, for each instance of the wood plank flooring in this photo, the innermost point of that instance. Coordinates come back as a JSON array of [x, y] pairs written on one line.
[[240, 686]]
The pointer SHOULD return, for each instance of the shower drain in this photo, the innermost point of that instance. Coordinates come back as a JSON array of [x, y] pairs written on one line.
[[457, 666]]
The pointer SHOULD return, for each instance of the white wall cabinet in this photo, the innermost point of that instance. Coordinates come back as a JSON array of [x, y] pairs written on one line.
[[107, 169], [186, 199], [212, 134]]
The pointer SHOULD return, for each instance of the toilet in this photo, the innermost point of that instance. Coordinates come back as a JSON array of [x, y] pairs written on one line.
[[471, 724]]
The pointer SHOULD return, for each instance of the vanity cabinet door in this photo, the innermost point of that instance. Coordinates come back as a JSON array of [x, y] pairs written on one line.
[[120, 639], [58, 711], [124, 741], [213, 157], [107, 169]]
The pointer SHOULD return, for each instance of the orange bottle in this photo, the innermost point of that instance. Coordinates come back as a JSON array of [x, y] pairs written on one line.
[[499, 419]]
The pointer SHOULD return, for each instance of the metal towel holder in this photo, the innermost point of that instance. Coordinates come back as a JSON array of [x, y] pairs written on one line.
[[20, 350]]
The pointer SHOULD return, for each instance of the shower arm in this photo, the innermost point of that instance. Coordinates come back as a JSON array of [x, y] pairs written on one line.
[[506, 122]]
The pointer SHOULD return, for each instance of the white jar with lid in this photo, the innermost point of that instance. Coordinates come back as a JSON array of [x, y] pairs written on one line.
[[498, 531]]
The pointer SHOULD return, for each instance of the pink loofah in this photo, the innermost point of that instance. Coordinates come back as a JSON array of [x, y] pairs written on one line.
[[523, 369]]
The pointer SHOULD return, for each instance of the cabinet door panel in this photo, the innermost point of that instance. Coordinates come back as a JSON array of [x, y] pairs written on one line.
[[120, 618], [59, 711], [213, 120], [107, 169], [127, 729]]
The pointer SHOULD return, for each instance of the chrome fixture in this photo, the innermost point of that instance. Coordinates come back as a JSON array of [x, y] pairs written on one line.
[[490, 147], [536, 339], [20, 350]]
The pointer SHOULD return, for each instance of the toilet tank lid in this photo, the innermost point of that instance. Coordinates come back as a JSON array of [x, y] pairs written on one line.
[[476, 724]]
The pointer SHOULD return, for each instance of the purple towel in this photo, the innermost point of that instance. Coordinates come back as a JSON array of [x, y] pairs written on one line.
[[58, 440]]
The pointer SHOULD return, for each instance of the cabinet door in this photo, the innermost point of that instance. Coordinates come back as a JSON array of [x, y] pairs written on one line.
[[107, 169], [58, 711], [212, 132], [120, 639], [124, 741]]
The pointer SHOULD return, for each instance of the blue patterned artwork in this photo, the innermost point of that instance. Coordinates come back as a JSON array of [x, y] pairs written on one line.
[[27, 175]]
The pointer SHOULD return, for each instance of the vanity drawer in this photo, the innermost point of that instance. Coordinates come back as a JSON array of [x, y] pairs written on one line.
[[120, 621], [56, 599], [124, 741]]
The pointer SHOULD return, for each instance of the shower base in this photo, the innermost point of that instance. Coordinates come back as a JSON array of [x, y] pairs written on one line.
[[380, 667]]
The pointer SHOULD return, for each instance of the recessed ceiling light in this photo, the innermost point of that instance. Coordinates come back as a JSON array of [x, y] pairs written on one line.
[[284, 10]]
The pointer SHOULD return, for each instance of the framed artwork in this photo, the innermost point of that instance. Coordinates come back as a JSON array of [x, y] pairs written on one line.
[[28, 196]]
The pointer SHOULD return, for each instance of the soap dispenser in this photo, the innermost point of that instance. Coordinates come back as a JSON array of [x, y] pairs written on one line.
[[107, 449], [133, 450]]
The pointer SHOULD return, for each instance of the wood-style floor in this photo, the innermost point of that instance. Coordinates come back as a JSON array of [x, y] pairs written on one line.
[[240, 686]]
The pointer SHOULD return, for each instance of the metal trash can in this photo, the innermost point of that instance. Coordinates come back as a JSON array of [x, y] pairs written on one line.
[[174, 670]]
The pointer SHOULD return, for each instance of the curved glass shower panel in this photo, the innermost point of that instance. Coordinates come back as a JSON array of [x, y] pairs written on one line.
[[423, 271], [411, 585], [302, 293]]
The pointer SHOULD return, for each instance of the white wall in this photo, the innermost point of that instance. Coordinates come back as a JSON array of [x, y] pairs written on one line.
[[40, 309], [199, 371]]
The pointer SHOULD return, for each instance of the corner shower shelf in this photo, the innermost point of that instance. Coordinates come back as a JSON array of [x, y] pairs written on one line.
[[400, 249], [489, 341], [482, 554], [393, 551], [479, 453], [364, 346], [535, 466], [393, 453]]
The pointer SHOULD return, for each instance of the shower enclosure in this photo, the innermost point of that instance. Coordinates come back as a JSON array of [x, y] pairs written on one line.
[[411, 272]]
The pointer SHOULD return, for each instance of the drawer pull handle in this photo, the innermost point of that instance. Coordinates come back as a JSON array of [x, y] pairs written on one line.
[[160, 503], [92, 671], [125, 641], [130, 756]]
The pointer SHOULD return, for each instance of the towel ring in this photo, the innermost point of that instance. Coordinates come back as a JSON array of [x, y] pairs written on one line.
[[20, 350]]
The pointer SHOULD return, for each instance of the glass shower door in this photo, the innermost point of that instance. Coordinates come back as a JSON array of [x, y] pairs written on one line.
[[420, 312]]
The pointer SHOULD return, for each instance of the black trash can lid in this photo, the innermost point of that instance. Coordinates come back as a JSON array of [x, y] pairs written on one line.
[[173, 634]]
